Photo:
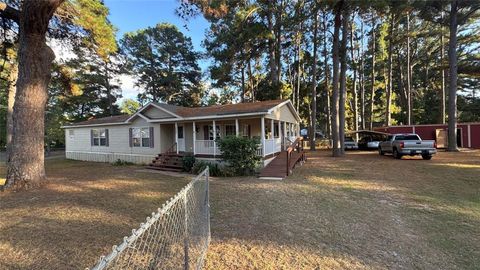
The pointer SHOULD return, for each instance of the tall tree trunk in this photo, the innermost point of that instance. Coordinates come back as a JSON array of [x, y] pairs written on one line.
[[372, 89], [26, 162], [299, 66], [362, 78], [452, 91], [336, 151], [278, 44], [354, 70], [409, 74], [271, 45], [313, 115], [388, 113], [343, 78], [12, 89], [442, 70], [327, 75]]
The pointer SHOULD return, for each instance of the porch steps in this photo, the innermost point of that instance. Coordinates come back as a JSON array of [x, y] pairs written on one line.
[[171, 162]]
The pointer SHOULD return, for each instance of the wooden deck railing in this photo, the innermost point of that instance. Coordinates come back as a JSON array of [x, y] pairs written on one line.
[[295, 154]]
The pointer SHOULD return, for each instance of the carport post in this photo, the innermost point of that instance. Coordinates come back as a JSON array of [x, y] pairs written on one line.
[[237, 129], [262, 137], [194, 136], [214, 138], [176, 136]]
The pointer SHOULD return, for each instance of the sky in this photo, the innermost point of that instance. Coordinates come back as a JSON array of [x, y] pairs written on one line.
[[132, 15]]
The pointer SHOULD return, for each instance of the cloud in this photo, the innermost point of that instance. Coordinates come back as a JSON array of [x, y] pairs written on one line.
[[127, 84]]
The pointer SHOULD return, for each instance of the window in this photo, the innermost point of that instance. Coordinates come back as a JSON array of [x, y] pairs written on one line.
[[230, 130], [180, 132], [140, 137], [246, 130], [100, 137], [275, 130], [210, 132]]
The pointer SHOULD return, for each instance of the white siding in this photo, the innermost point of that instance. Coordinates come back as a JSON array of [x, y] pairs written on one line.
[[156, 113], [283, 113], [79, 146]]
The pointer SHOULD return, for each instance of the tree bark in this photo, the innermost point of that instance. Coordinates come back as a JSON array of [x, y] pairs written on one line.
[[336, 151], [12, 89], [343, 78], [354, 70], [362, 78], [26, 161], [313, 115], [409, 74], [388, 113], [327, 74], [442, 70], [452, 91], [372, 89]]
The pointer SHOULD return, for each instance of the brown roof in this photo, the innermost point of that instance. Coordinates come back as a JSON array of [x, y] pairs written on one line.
[[104, 120], [239, 108]]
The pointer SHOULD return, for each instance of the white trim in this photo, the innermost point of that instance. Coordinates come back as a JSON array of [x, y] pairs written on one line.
[[237, 128], [144, 117], [469, 133], [95, 125], [210, 117], [262, 136], [194, 136], [151, 103], [176, 136], [214, 128], [413, 129]]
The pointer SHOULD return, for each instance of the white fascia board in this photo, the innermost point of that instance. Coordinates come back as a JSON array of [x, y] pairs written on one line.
[[290, 105], [213, 117], [95, 125]]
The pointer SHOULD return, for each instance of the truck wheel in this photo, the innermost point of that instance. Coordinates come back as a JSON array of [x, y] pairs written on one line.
[[380, 151], [396, 154], [427, 157]]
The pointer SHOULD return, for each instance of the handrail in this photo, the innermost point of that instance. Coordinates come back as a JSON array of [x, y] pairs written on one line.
[[298, 146], [172, 149]]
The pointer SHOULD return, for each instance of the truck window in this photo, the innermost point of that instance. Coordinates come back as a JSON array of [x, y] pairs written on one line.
[[407, 138], [390, 138]]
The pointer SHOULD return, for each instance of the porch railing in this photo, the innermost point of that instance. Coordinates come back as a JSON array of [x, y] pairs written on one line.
[[207, 147]]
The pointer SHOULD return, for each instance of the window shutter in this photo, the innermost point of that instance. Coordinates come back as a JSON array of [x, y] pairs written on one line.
[[91, 137], [107, 138], [151, 137], [130, 137]]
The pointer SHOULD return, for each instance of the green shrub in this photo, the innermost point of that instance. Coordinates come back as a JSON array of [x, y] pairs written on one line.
[[213, 168], [188, 162], [240, 154], [120, 162]]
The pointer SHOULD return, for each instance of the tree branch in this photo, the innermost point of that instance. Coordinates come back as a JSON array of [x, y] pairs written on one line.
[[8, 12]]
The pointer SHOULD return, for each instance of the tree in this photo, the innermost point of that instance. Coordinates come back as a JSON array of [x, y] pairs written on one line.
[[343, 76], [313, 117], [129, 106], [31, 19], [452, 65], [336, 150], [166, 65]]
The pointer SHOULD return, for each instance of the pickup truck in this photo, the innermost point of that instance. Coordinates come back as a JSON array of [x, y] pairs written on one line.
[[407, 144]]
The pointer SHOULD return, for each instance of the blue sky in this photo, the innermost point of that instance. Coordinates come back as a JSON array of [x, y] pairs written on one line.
[[131, 15]]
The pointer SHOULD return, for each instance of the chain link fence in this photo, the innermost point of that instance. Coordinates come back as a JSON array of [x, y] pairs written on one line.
[[174, 237]]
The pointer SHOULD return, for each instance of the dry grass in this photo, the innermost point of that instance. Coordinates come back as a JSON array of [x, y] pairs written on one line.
[[363, 211], [78, 215], [359, 212]]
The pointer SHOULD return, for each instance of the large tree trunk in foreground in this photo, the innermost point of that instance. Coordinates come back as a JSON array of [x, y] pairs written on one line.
[[343, 79], [26, 162], [409, 75], [12, 89], [442, 70], [336, 151], [327, 75], [452, 91], [313, 115], [354, 88], [362, 79]]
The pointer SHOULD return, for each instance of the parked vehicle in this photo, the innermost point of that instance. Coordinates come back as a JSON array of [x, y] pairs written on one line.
[[369, 143], [407, 144], [350, 143]]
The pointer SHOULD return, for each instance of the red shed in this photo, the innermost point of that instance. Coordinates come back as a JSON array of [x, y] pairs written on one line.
[[468, 134]]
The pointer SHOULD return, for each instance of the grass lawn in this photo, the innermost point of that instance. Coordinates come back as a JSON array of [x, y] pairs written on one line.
[[362, 211], [83, 210]]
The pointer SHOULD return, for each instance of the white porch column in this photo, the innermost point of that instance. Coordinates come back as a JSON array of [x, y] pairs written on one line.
[[297, 127], [237, 128], [272, 127], [194, 137], [176, 136], [262, 137], [214, 138]]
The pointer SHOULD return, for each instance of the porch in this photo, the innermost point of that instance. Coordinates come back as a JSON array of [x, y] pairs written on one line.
[[200, 138]]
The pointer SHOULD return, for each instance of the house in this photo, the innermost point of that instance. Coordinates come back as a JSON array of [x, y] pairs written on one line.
[[468, 134], [159, 128]]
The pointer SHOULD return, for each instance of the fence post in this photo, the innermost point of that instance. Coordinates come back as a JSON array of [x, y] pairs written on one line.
[[185, 241]]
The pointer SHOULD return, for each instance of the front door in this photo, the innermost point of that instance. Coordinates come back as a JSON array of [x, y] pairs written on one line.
[[180, 139]]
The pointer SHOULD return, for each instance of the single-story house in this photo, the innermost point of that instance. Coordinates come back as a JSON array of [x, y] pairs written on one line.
[[158, 128]]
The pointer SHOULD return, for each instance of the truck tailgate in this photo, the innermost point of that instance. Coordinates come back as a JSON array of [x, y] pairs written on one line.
[[419, 144]]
